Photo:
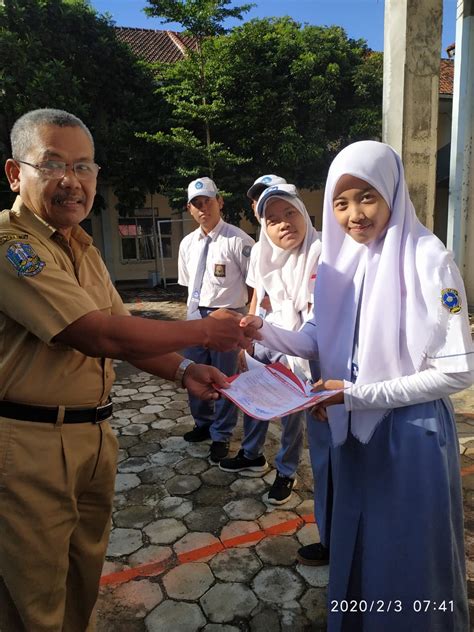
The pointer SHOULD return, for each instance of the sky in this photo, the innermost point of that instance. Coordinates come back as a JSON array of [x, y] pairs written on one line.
[[359, 18]]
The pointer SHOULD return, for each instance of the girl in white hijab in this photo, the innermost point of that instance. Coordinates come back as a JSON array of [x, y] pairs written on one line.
[[285, 271], [392, 330]]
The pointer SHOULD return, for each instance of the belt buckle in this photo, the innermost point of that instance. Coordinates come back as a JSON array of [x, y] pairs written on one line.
[[98, 410]]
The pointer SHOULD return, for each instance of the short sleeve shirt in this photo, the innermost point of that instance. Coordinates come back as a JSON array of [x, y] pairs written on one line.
[[252, 270], [47, 284], [227, 264]]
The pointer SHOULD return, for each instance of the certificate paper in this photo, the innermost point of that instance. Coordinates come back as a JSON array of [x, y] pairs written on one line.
[[271, 390]]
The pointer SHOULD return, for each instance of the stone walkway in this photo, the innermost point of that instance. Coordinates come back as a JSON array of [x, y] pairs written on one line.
[[194, 548]]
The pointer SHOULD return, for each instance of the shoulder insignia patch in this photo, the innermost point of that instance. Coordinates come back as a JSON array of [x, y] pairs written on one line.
[[11, 237], [451, 300], [246, 250], [24, 259]]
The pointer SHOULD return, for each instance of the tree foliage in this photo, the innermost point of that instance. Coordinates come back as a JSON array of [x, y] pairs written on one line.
[[201, 18], [61, 54], [278, 97]]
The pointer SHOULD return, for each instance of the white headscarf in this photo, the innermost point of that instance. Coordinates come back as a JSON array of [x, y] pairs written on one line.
[[403, 324], [285, 274]]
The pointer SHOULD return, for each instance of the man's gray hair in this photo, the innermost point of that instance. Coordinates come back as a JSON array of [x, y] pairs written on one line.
[[23, 134]]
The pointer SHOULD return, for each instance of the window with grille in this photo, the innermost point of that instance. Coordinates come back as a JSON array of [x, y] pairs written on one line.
[[138, 239]]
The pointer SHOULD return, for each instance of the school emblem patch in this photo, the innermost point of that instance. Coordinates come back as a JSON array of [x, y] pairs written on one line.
[[219, 270], [451, 300], [24, 259], [246, 250]]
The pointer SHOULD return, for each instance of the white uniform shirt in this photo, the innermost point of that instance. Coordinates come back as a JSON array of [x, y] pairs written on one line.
[[252, 269], [227, 263]]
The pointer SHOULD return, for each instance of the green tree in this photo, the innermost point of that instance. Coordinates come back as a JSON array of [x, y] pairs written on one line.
[[280, 97], [196, 107], [58, 53], [301, 93]]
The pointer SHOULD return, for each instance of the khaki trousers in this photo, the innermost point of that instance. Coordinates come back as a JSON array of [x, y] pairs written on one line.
[[56, 494]]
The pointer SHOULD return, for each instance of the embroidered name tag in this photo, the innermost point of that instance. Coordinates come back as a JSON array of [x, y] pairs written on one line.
[[451, 300], [219, 270], [11, 237], [24, 259]]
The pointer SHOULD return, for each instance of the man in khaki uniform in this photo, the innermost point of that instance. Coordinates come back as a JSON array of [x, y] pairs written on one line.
[[61, 323]]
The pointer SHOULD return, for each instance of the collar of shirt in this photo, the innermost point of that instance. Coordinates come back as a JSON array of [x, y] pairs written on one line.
[[212, 233]]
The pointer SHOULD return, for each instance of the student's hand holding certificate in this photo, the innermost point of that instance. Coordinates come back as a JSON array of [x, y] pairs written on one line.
[[337, 386], [271, 391]]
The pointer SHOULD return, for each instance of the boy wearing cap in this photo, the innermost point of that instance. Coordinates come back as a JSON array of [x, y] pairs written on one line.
[[213, 264]]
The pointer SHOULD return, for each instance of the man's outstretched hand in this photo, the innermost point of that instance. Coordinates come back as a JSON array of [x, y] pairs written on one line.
[[223, 331]]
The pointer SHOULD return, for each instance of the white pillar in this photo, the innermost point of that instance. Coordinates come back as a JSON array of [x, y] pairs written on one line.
[[460, 236], [412, 52]]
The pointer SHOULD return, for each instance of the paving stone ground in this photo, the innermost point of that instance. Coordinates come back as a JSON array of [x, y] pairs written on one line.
[[193, 548]]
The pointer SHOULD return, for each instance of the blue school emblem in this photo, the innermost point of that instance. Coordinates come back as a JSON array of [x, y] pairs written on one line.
[[198, 185], [24, 259], [451, 299], [246, 250]]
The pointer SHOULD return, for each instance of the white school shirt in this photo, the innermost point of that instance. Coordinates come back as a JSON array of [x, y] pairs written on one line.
[[252, 269], [223, 284]]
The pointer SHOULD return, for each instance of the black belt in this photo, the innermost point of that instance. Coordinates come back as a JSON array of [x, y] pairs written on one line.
[[46, 414]]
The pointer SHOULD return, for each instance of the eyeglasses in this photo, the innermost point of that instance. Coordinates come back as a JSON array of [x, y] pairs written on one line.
[[56, 169]]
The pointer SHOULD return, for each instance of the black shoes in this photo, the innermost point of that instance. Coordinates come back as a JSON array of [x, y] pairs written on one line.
[[240, 463], [280, 491], [198, 433], [313, 555], [219, 450]]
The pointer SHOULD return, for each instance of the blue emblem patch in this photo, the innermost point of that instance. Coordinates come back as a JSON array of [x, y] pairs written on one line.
[[246, 251], [198, 185], [24, 259], [266, 179], [451, 300]]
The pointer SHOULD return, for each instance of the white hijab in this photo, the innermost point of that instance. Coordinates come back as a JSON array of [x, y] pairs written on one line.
[[285, 274], [398, 280]]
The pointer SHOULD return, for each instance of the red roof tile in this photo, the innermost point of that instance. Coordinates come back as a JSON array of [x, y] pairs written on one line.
[[446, 76], [152, 45]]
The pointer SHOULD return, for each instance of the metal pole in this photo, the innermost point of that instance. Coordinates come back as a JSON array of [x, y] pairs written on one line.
[[155, 243]]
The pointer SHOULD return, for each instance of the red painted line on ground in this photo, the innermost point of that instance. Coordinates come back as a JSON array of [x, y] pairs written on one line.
[[465, 471], [156, 568], [466, 414]]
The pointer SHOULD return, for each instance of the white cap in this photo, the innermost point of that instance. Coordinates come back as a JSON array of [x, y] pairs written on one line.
[[262, 183], [202, 186], [280, 190]]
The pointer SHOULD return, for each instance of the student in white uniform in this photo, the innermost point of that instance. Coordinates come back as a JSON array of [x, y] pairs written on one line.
[[213, 263], [285, 270], [255, 191], [392, 331]]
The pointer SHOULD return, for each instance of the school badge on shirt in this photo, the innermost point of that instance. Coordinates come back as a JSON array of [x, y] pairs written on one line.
[[24, 259], [219, 270], [451, 300]]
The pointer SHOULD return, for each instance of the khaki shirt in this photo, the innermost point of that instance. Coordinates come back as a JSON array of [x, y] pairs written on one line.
[[45, 285]]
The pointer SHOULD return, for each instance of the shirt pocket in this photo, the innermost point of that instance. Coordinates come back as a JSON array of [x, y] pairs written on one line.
[[100, 296], [221, 271]]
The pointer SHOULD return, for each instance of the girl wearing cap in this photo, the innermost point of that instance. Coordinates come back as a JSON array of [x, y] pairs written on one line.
[[392, 331], [285, 269]]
